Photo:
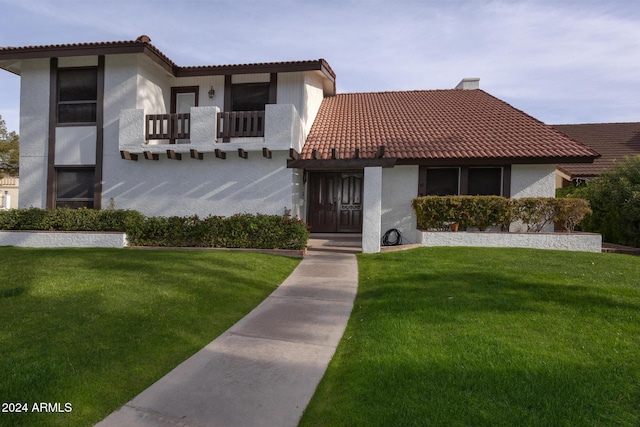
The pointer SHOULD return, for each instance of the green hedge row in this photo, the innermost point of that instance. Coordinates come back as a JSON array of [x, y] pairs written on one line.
[[257, 231], [481, 212]]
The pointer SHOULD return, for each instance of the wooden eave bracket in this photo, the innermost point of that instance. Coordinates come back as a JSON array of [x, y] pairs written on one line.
[[195, 154], [220, 154], [293, 154], [151, 156], [266, 153], [128, 156], [171, 154], [335, 154], [243, 154], [380, 152]]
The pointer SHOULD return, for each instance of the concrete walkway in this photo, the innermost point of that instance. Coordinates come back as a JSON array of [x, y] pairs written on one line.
[[263, 370]]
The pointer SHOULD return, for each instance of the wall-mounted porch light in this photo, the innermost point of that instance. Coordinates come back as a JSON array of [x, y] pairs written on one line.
[[211, 92]]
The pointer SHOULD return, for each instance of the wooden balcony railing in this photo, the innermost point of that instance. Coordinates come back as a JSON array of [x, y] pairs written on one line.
[[240, 123], [168, 126]]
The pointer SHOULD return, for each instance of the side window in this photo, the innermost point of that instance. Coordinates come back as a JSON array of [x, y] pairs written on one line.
[[249, 96], [74, 187], [443, 181], [77, 95], [464, 180], [485, 182]]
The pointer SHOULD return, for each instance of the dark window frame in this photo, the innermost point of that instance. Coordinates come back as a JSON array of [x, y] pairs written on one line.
[[463, 178], [88, 101]]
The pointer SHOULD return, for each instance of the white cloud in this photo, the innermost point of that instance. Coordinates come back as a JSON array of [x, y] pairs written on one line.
[[563, 60]]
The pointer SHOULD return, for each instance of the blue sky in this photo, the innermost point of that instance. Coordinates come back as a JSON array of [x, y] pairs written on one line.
[[561, 61]]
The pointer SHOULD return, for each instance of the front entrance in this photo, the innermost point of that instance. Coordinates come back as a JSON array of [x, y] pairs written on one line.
[[335, 202]]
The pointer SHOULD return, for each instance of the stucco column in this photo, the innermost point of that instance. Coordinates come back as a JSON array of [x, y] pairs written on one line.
[[372, 210]]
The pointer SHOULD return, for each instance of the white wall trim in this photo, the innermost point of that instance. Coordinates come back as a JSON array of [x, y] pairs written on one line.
[[62, 239], [585, 242], [372, 209]]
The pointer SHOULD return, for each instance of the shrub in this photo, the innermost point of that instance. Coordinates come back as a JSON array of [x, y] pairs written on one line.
[[570, 212], [534, 212], [615, 203], [257, 231], [436, 212]]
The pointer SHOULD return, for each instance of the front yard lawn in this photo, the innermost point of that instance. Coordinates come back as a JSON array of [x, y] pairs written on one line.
[[86, 330], [487, 337]]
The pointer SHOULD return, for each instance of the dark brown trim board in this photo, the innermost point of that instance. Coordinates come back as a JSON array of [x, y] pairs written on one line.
[[51, 146], [97, 191]]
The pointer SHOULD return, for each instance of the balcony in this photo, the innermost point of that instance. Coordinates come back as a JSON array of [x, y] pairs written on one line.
[[207, 129]]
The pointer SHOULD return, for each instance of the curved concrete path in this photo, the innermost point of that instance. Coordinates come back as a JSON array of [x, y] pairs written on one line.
[[264, 369]]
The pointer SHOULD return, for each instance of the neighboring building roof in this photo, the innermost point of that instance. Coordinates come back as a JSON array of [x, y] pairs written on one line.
[[613, 141], [435, 127], [143, 45]]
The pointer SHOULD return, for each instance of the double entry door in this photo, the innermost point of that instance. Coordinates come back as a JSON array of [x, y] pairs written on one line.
[[335, 202]]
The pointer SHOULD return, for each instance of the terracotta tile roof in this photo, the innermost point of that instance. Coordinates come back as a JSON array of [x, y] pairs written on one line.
[[613, 141], [436, 125]]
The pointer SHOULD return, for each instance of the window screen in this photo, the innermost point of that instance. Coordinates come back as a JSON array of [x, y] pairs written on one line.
[[75, 187], [77, 95], [249, 96], [485, 182], [442, 182]]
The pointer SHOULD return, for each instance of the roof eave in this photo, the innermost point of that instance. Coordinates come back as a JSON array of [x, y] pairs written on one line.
[[472, 161], [60, 51]]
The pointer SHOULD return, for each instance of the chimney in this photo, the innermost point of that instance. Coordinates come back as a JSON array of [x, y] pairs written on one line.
[[469, 83]]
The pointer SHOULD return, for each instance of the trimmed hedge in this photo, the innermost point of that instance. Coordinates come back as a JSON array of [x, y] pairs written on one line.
[[481, 212], [257, 231]]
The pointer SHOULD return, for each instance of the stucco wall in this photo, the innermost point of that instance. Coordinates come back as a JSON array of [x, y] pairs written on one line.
[[34, 131], [372, 209], [533, 181], [399, 187], [204, 187], [313, 96]]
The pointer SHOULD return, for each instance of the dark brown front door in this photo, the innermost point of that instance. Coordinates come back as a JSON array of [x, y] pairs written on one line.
[[335, 202]]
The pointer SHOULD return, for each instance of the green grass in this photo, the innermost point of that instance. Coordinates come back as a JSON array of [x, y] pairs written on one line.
[[487, 337], [94, 327]]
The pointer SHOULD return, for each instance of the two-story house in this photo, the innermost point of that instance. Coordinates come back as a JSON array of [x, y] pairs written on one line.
[[119, 124]]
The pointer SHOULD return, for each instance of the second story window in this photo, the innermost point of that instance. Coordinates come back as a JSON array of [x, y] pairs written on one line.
[[77, 95], [249, 96]]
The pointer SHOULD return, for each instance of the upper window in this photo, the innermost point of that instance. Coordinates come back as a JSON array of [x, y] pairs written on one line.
[[77, 95], [442, 181], [485, 182], [249, 96]]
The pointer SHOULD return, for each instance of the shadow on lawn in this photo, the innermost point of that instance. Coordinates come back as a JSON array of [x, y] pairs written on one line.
[[129, 320], [487, 291], [439, 393]]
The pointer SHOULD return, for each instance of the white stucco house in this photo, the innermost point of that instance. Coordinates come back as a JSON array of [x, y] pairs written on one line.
[[120, 123]]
